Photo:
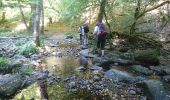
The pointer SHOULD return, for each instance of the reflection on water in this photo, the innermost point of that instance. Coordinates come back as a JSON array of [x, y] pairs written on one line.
[[60, 66]]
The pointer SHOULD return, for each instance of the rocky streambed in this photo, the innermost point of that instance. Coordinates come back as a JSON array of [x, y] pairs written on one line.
[[58, 74]]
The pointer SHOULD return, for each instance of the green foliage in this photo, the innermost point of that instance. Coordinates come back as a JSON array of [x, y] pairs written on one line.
[[28, 49], [26, 70], [19, 42], [3, 64], [7, 32]]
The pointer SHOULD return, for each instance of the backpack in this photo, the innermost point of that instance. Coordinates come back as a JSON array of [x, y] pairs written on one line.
[[102, 29], [86, 29]]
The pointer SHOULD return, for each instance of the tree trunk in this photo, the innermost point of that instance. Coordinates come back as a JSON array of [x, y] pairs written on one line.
[[31, 19], [42, 17], [137, 11], [102, 10], [36, 25]]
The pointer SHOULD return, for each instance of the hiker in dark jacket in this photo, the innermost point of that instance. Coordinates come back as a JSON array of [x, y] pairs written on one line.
[[83, 31], [100, 31]]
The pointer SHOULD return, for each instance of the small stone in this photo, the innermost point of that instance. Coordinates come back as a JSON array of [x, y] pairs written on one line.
[[132, 92], [96, 78], [72, 85]]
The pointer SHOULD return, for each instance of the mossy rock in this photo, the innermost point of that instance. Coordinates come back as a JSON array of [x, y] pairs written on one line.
[[147, 57]]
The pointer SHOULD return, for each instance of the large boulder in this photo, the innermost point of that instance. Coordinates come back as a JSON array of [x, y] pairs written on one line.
[[141, 69], [119, 75], [9, 85], [156, 89], [147, 57]]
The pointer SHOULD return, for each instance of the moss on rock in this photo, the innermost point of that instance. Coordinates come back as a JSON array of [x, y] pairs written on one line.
[[147, 57]]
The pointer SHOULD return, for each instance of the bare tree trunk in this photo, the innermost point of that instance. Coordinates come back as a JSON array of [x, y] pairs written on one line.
[[42, 17], [31, 19], [23, 17], [36, 25], [101, 11]]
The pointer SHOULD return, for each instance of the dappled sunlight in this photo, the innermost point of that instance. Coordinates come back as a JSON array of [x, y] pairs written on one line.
[[20, 27]]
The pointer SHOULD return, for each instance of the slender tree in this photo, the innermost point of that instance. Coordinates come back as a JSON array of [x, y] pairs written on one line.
[[36, 25], [42, 17]]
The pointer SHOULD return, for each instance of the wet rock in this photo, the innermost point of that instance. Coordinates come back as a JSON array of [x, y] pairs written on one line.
[[96, 78], [132, 92], [69, 37], [73, 90], [141, 69], [59, 54], [72, 85], [93, 68], [156, 89], [9, 84], [158, 70], [87, 53], [123, 62], [19, 58], [167, 70], [27, 81], [139, 79], [83, 61], [40, 75], [119, 75], [143, 98], [166, 78]]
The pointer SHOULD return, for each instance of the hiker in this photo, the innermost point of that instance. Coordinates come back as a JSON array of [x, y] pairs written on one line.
[[83, 31], [100, 31]]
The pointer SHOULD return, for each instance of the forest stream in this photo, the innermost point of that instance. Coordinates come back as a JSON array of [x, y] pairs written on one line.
[[60, 76]]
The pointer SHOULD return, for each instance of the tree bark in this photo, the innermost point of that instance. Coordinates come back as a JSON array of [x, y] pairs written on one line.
[[137, 11], [31, 19], [101, 11], [42, 17], [23, 17], [36, 25]]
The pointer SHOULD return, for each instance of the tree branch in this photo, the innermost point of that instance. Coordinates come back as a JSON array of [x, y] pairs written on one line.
[[150, 9]]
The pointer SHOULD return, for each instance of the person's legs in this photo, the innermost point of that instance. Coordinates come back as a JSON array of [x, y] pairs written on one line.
[[103, 45], [99, 45], [80, 39]]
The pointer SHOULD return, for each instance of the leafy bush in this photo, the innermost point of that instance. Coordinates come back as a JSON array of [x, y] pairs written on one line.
[[28, 49]]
